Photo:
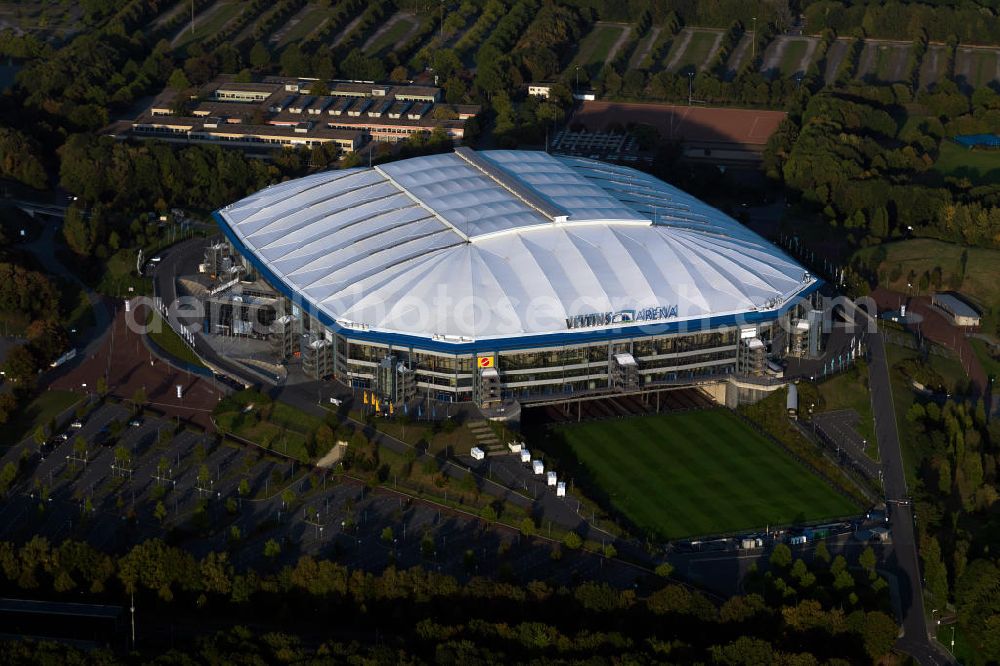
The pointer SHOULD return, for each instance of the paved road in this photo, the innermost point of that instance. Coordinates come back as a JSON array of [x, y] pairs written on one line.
[[915, 640], [44, 249]]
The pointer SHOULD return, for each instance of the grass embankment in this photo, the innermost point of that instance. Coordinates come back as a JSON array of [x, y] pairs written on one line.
[[849, 390], [697, 473], [160, 332], [971, 270], [275, 426], [42, 409], [937, 371], [990, 363]]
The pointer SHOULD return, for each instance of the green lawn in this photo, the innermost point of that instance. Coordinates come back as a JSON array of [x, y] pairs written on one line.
[[849, 390], [694, 57], [887, 62], [697, 473], [983, 69], [964, 652], [209, 22], [167, 339], [38, 412], [308, 20], [594, 49], [387, 40], [979, 166], [790, 59]]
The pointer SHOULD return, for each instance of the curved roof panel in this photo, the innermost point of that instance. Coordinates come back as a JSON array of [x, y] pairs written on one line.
[[476, 246]]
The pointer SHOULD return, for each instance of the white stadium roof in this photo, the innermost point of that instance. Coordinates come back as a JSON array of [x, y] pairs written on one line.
[[471, 246]]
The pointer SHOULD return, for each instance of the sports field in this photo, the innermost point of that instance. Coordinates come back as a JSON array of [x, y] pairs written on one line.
[[699, 473], [692, 50], [748, 127], [596, 47]]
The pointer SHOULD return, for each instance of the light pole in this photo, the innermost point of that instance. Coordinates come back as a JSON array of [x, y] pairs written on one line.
[[690, 87], [754, 43], [577, 89]]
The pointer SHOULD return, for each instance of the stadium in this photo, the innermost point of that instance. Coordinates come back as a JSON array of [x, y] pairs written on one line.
[[494, 275]]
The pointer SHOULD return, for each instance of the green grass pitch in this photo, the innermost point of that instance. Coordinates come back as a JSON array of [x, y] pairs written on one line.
[[699, 473]]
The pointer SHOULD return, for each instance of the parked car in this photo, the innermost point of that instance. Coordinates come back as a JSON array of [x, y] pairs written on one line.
[[76, 425], [135, 423], [103, 437]]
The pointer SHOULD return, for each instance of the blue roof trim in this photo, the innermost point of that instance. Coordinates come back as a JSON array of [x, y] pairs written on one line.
[[507, 344]]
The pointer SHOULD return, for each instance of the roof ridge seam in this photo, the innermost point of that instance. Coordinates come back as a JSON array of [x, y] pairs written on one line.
[[421, 203]]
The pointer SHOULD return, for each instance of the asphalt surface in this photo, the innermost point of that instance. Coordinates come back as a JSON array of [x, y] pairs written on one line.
[[915, 639], [840, 429]]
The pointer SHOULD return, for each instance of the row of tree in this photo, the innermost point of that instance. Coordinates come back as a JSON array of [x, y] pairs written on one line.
[[483, 619], [956, 493], [970, 22]]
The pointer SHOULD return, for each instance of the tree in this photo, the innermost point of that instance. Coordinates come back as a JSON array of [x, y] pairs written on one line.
[[822, 553], [21, 367], [160, 511], [139, 398], [272, 549], [399, 74], [80, 447], [102, 386], [664, 570], [287, 497], [293, 62], [867, 561], [781, 557], [244, 488], [8, 406], [82, 234], [572, 540], [260, 57], [387, 535], [39, 435], [879, 633], [527, 526], [489, 514], [204, 477], [178, 80], [454, 90], [20, 159], [7, 475]]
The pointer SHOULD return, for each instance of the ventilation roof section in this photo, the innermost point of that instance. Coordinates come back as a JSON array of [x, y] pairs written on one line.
[[514, 185]]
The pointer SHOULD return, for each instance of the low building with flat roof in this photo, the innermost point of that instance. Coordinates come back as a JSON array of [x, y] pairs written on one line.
[[280, 110], [960, 312]]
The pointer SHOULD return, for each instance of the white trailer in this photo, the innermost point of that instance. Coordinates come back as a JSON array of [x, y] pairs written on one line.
[[561, 489], [525, 455], [551, 479], [477, 453], [538, 467]]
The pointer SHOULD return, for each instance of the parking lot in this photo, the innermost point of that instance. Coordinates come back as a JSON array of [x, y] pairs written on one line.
[[154, 479], [839, 430]]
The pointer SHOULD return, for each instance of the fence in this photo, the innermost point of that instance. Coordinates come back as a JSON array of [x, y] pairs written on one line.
[[807, 463]]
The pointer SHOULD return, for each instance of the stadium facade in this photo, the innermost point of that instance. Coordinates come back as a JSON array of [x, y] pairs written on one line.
[[501, 274]]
